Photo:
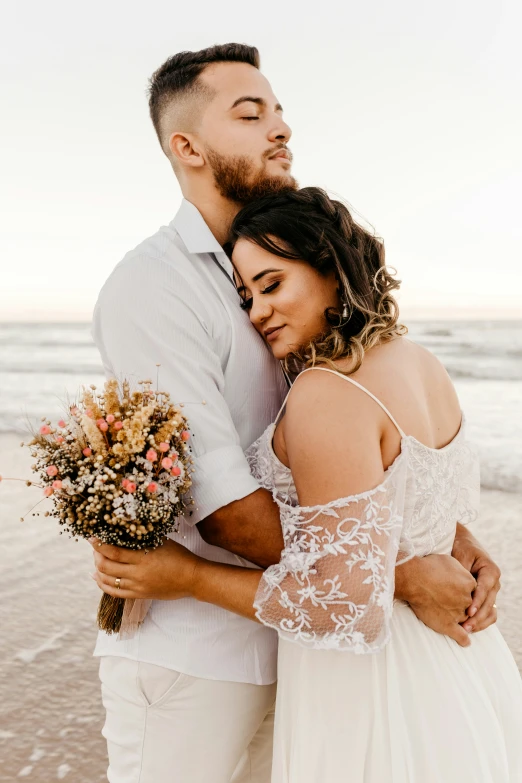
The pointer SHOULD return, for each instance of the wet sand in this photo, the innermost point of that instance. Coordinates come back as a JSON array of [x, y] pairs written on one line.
[[50, 710]]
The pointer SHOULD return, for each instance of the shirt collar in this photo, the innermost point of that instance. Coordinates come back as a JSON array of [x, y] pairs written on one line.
[[194, 232]]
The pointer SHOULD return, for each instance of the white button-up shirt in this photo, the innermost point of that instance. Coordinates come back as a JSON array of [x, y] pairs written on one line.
[[168, 302]]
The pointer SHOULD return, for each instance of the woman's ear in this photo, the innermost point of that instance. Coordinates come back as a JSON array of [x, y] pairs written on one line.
[[184, 150]]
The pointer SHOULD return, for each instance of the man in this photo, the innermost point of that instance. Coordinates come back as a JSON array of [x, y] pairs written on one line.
[[191, 697]]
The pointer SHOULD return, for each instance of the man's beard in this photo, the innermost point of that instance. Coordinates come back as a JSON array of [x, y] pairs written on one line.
[[235, 181]]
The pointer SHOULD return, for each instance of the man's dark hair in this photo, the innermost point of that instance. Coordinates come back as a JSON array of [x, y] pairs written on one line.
[[179, 74]]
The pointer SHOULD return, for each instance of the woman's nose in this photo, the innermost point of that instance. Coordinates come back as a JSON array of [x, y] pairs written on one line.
[[259, 312]]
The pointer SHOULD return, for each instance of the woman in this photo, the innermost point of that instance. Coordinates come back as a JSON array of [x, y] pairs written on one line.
[[370, 465]]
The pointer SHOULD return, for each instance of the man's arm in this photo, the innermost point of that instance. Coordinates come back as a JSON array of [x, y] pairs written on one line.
[[250, 528], [149, 314]]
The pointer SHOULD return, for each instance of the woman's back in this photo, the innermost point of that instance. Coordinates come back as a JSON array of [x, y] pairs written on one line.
[[422, 444]]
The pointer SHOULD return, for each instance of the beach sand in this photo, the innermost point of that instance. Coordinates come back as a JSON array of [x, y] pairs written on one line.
[[50, 709]]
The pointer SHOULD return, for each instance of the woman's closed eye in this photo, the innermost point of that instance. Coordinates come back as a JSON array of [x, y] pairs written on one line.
[[270, 288], [246, 303]]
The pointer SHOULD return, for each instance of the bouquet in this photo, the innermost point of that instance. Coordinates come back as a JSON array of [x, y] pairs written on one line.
[[118, 469]]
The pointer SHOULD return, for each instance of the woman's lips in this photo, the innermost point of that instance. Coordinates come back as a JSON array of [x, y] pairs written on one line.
[[273, 334]]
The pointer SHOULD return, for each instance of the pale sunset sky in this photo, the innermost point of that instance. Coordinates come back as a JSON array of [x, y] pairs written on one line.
[[410, 110]]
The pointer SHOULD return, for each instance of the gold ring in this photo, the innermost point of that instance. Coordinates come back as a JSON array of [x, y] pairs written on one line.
[[117, 583]]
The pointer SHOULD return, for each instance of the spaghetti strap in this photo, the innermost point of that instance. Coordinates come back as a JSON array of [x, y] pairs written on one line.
[[354, 383], [283, 406]]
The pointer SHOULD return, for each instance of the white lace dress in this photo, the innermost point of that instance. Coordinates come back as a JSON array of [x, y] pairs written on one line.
[[366, 692]]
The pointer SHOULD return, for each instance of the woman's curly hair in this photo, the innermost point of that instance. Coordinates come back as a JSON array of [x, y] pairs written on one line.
[[307, 225]]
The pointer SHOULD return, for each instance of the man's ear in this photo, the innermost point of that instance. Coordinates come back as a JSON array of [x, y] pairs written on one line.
[[184, 150]]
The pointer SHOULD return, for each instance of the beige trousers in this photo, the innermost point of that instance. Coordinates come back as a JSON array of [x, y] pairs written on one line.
[[167, 727]]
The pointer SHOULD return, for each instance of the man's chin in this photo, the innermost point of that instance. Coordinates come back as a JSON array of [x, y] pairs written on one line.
[[271, 186]]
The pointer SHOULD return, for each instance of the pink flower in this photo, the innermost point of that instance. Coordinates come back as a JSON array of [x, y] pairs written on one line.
[[59, 439], [152, 487], [61, 423], [52, 470], [87, 452], [164, 447], [130, 487], [45, 429], [74, 410], [174, 455], [185, 435], [151, 455], [166, 463], [118, 425], [57, 484], [175, 471], [110, 418], [88, 413], [103, 426], [48, 491], [124, 483]]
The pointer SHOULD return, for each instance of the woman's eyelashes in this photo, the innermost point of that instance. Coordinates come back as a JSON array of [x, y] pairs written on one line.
[[246, 302], [270, 288]]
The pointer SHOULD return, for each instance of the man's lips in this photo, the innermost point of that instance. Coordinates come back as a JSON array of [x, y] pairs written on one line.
[[272, 333], [281, 154]]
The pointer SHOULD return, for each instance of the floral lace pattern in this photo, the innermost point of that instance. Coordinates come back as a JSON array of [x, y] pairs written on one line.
[[334, 585]]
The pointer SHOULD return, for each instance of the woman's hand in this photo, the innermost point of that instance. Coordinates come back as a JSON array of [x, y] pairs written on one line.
[[164, 574]]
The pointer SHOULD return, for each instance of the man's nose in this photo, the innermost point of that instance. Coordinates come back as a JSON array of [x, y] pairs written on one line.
[[280, 131]]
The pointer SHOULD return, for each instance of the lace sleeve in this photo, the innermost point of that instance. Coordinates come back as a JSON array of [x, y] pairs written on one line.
[[334, 585]]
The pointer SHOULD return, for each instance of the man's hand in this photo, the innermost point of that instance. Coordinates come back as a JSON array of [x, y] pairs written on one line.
[[439, 590], [165, 573], [473, 557]]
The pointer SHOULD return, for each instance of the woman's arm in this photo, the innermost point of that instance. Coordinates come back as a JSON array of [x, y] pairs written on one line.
[[321, 446], [230, 587]]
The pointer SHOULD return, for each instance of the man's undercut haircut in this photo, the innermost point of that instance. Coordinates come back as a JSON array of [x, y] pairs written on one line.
[[177, 81]]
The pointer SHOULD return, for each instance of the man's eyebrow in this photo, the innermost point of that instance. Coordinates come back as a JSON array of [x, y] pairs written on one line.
[[251, 99], [262, 274]]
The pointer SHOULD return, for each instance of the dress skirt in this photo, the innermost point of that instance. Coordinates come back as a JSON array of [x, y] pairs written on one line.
[[423, 710]]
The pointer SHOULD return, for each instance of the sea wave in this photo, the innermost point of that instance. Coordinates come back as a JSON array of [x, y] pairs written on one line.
[[87, 370]]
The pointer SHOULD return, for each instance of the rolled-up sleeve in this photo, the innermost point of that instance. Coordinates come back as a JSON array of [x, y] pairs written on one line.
[[149, 314]]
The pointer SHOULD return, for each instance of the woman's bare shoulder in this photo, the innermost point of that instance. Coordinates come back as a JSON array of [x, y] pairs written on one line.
[[329, 425]]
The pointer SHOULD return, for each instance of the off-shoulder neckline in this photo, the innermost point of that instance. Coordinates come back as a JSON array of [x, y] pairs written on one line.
[[411, 438]]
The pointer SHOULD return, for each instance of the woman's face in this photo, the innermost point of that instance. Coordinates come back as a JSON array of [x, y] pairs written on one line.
[[285, 300]]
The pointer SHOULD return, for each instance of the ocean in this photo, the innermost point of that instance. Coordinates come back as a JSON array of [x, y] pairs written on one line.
[[42, 364]]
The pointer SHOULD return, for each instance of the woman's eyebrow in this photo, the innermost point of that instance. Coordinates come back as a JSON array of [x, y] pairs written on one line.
[[262, 274]]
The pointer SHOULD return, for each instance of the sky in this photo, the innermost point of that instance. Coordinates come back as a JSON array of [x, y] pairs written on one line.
[[410, 110]]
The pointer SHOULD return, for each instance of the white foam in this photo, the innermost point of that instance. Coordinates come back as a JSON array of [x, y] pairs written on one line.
[[25, 772], [28, 656], [37, 754], [63, 770]]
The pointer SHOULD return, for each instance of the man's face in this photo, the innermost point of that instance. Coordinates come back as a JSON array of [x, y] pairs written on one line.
[[244, 135]]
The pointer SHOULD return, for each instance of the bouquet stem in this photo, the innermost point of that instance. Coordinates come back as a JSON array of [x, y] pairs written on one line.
[[110, 613]]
